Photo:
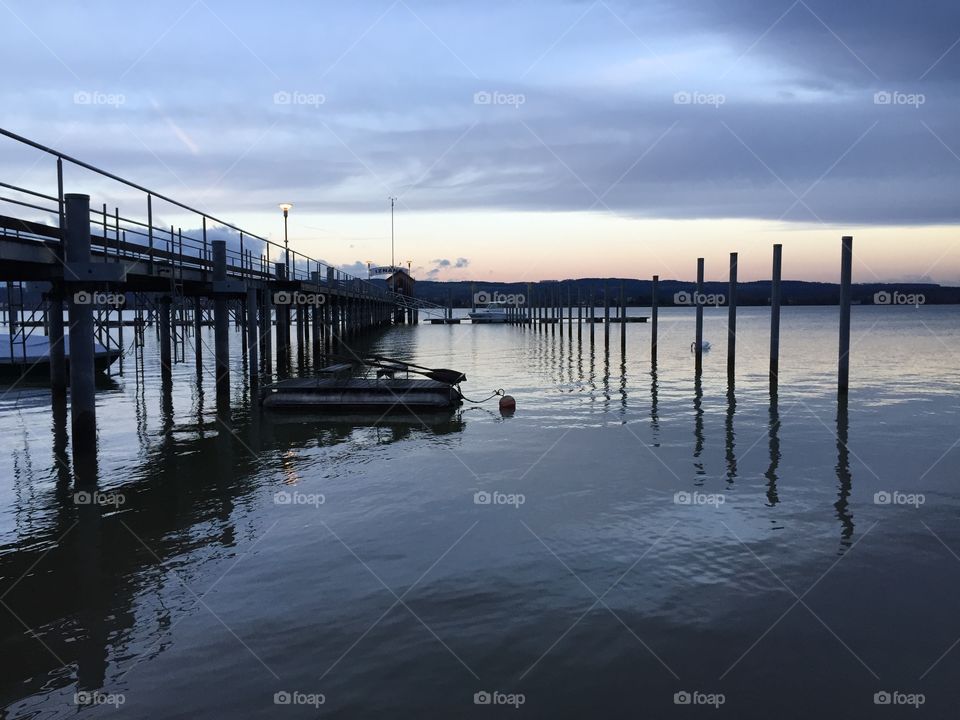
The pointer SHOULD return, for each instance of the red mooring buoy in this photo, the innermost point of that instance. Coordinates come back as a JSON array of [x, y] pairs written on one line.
[[507, 403]]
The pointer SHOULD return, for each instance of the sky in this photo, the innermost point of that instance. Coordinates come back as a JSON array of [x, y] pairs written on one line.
[[523, 140]]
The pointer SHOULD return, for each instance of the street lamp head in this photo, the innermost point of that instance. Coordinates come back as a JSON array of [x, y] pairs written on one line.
[[286, 207]]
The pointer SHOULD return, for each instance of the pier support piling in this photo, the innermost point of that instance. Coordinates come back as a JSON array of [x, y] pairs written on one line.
[[83, 413], [698, 347], [775, 318], [732, 321], [654, 305], [221, 324], [846, 276]]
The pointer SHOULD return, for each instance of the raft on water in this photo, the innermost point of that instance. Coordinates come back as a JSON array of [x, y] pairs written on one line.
[[336, 394]]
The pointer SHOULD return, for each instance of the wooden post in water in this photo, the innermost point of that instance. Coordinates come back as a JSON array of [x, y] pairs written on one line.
[[775, 318], [253, 335], [698, 302], [83, 407], [606, 317], [579, 315], [623, 320], [846, 275], [593, 317], [732, 321], [654, 305], [221, 326]]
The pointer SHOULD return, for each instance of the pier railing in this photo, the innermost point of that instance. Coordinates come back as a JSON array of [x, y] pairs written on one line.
[[167, 249]]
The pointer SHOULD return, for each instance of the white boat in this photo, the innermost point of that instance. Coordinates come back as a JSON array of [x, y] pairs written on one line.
[[33, 355], [494, 312]]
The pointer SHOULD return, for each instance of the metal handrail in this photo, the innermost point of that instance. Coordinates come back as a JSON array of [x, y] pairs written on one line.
[[150, 227]]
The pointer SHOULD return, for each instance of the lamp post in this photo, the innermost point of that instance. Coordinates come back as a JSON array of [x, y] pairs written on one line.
[[286, 240]]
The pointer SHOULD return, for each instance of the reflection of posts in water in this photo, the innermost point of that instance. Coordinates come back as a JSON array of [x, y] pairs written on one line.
[[60, 458], [166, 405], [606, 377], [730, 439], [698, 420], [654, 406], [94, 597], [844, 478], [773, 433], [623, 379]]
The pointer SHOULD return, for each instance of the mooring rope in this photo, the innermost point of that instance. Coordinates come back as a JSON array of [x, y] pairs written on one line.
[[500, 391]]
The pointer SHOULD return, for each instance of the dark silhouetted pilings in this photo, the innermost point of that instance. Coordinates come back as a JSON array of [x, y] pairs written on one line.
[[846, 275], [732, 321], [253, 335], [221, 325], [775, 318], [83, 413], [58, 362], [698, 349], [654, 305]]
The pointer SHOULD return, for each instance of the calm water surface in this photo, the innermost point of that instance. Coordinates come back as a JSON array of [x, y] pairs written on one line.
[[656, 535]]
